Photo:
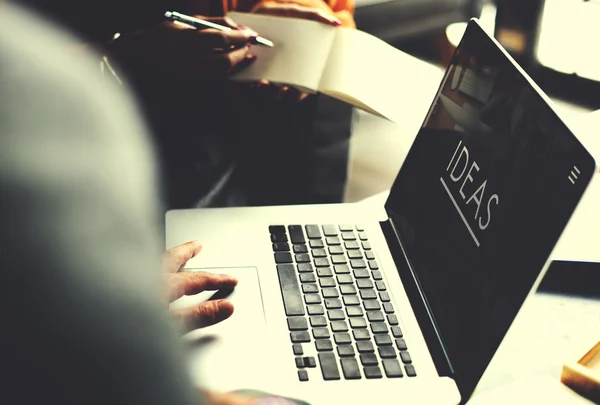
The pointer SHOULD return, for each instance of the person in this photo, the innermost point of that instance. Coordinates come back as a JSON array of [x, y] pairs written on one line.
[[83, 310], [179, 76]]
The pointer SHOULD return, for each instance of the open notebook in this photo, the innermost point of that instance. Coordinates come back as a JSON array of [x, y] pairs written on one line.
[[346, 64]]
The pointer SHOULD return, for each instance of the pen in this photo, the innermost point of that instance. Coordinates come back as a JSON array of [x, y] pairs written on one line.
[[198, 24]]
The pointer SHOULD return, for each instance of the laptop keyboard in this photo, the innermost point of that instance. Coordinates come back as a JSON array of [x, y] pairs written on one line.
[[335, 298]]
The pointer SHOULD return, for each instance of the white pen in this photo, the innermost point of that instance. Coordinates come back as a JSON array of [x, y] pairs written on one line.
[[199, 24]]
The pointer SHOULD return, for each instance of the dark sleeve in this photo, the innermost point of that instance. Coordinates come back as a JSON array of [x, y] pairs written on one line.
[[101, 19], [82, 315]]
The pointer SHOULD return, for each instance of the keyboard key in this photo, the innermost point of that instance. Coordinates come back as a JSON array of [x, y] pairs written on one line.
[[300, 336], [279, 237], [348, 236], [360, 227], [366, 245], [338, 259], [330, 230], [345, 351], [336, 315], [354, 254], [354, 311], [324, 272], [379, 327], [384, 296], [308, 278], [380, 285], [369, 255], [405, 357], [339, 326], [375, 316], [342, 338], [310, 362], [351, 300], [361, 274], [316, 321], [315, 309], [368, 294], [319, 253], [383, 340], [351, 245], [303, 258], [310, 288], [322, 262], [326, 282], [330, 293], [297, 323], [297, 347], [333, 241], [336, 250], [365, 346], [312, 298], [392, 368], [320, 333], [370, 305], [377, 275], [341, 269], [372, 372], [362, 235], [303, 375], [345, 279], [299, 362], [357, 323], [316, 244], [410, 370], [333, 303], [369, 359], [296, 234], [323, 345], [347, 289], [392, 319], [329, 366], [313, 231], [304, 268], [396, 331], [361, 334], [358, 264], [388, 307], [373, 265], [401, 344], [276, 229], [350, 368], [283, 257], [281, 247], [364, 283], [300, 249], [346, 227], [290, 291]]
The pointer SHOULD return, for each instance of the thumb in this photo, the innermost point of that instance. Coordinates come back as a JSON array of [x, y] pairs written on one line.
[[174, 259], [203, 315]]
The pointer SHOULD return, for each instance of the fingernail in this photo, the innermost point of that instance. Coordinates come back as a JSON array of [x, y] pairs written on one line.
[[252, 57], [336, 21], [242, 27]]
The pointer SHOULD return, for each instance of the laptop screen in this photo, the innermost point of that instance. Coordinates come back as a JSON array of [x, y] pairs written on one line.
[[482, 197]]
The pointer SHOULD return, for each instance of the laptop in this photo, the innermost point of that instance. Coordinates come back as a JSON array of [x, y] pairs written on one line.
[[408, 302]]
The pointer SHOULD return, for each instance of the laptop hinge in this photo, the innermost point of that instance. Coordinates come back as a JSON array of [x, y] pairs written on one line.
[[418, 301]]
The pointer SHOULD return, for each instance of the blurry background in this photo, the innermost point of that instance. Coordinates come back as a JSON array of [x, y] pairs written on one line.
[[553, 40]]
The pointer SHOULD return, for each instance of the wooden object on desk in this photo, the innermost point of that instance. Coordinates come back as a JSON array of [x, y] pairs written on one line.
[[584, 376]]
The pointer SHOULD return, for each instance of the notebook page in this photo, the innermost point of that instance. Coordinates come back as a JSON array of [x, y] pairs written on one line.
[[367, 72], [300, 53]]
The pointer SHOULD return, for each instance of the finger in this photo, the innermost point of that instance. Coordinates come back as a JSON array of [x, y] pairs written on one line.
[[194, 282], [230, 398], [232, 58], [295, 11], [203, 315], [174, 259], [247, 61]]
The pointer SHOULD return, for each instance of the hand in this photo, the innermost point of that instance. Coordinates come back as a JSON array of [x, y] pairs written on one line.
[[234, 398], [297, 11], [182, 283], [171, 50]]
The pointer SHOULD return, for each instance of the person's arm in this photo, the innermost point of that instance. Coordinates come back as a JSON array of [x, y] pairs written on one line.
[[83, 316], [343, 10]]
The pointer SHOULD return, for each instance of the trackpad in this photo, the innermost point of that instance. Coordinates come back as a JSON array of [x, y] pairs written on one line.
[[216, 353]]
